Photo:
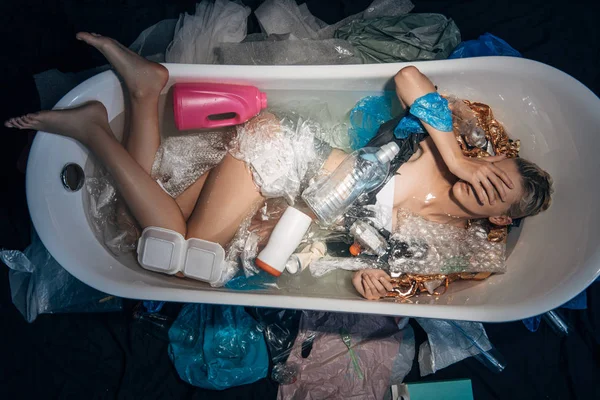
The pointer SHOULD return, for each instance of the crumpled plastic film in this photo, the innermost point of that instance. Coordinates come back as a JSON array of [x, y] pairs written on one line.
[[274, 51], [196, 36], [286, 17], [109, 216], [347, 356], [325, 265], [406, 354], [449, 342], [282, 153], [430, 248], [181, 160], [217, 347], [39, 285]]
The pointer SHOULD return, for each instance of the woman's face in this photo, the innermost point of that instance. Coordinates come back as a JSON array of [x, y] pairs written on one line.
[[466, 198]]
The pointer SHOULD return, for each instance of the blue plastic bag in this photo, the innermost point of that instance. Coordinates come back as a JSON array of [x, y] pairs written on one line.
[[366, 117], [217, 347], [486, 45]]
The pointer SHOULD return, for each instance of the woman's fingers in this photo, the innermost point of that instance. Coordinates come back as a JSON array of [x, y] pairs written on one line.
[[378, 286], [502, 175], [357, 282], [498, 185], [369, 291], [489, 190], [480, 190], [386, 284]]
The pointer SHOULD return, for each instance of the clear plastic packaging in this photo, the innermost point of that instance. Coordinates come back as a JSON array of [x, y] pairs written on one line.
[[423, 247], [325, 265], [360, 173]]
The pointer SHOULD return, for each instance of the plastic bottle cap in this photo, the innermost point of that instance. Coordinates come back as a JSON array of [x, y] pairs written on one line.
[[355, 249], [387, 152]]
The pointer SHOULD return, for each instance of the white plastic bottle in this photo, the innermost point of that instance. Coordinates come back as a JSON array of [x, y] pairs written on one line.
[[284, 239], [361, 172]]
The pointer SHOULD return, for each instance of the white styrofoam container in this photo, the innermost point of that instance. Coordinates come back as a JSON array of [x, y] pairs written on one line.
[[553, 257]]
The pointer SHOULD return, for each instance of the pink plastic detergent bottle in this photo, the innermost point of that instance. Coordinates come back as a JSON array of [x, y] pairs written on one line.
[[214, 105]]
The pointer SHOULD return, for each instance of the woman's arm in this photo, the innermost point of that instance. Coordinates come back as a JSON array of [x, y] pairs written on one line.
[[482, 174]]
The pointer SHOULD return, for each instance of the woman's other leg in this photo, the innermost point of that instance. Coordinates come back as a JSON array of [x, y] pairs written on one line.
[[229, 194]]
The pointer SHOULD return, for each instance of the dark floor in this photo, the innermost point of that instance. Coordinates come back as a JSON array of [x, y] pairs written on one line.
[[108, 356]]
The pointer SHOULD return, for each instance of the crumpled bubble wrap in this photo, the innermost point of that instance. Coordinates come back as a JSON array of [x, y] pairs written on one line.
[[446, 344], [433, 248], [282, 153], [181, 160]]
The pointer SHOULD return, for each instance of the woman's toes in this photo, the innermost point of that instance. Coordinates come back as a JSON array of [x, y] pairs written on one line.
[[93, 39]]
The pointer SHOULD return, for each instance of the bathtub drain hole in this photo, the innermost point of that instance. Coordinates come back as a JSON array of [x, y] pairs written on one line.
[[72, 177]]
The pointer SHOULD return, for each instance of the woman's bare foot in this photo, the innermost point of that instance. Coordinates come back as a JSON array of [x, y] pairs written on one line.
[[143, 78], [77, 123]]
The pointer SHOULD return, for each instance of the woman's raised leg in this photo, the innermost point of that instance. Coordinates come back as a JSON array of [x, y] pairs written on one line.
[[150, 205], [144, 81]]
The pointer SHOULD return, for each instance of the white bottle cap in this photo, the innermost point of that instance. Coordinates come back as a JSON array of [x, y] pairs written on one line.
[[286, 236], [387, 152]]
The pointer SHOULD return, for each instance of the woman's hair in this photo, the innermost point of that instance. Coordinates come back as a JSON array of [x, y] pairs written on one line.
[[537, 188]]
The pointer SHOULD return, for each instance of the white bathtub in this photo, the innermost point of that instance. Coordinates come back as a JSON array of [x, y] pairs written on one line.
[[556, 254]]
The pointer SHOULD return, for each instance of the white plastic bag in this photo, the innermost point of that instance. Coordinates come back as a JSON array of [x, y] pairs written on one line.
[[196, 36]]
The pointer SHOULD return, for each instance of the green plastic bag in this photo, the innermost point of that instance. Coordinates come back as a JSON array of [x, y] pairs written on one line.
[[409, 37]]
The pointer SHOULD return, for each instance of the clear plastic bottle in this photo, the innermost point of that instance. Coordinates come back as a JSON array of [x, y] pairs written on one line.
[[361, 172]]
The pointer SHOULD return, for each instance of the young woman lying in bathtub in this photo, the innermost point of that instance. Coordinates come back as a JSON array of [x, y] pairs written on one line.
[[440, 184]]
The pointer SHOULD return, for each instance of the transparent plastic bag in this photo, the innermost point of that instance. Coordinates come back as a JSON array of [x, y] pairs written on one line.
[[449, 342], [196, 36], [217, 347], [39, 285]]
